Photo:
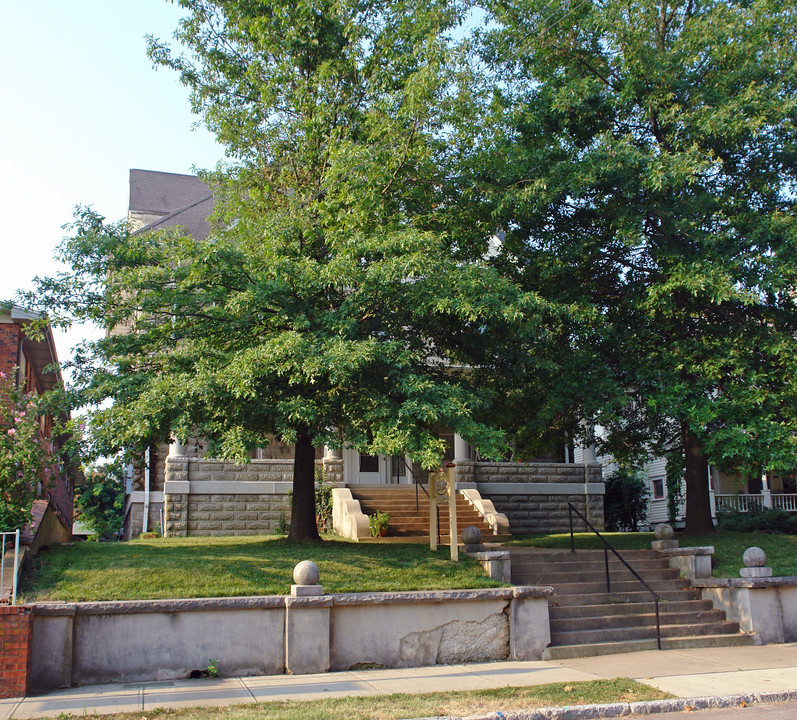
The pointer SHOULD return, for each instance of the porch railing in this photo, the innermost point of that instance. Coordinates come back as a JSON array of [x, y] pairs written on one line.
[[9, 565], [739, 502], [744, 502], [785, 501]]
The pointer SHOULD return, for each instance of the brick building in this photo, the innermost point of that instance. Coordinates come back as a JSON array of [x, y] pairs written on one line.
[[33, 363]]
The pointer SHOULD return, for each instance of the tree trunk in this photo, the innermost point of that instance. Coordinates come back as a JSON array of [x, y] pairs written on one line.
[[698, 500], [303, 523]]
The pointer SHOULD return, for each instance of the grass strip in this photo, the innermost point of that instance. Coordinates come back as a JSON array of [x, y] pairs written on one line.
[[729, 547], [232, 566], [394, 707]]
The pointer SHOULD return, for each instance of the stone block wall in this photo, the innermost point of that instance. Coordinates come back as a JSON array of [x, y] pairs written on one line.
[[534, 496], [542, 514], [207, 497], [236, 514], [16, 637]]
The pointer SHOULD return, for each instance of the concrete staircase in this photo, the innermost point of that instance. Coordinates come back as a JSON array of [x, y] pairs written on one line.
[[587, 620], [411, 524]]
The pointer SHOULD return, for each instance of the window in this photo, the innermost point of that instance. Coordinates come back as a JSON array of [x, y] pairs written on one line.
[[658, 488]]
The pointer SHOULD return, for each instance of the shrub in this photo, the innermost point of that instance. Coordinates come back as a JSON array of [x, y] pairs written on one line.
[[323, 502], [625, 502], [758, 519], [24, 457], [100, 501]]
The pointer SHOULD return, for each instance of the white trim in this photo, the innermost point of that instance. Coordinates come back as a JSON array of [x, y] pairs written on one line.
[[227, 487], [535, 488], [137, 496]]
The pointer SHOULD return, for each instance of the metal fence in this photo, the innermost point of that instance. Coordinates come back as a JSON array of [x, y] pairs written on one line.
[[9, 565]]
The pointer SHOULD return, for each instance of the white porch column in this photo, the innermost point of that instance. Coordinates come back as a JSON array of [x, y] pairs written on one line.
[[712, 500], [765, 491], [461, 449], [176, 448], [331, 453], [589, 454]]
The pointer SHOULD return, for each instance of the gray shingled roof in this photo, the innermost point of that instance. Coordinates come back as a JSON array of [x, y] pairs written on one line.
[[183, 200], [194, 218], [162, 193]]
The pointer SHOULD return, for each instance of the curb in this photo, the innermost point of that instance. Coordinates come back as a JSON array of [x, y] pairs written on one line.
[[647, 707]]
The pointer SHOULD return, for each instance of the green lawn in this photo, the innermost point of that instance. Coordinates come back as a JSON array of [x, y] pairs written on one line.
[[729, 547], [392, 707], [230, 566], [224, 567]]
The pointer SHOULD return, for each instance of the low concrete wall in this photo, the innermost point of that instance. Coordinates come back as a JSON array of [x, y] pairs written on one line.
[[534, 496], [85, 643], [766, 606]]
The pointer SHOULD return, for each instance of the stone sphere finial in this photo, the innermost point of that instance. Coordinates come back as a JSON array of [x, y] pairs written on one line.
[[663, 531], [754, 557], [471, 535], [306, 573]]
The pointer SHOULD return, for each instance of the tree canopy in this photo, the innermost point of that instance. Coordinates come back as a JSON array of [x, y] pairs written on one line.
[[637, 161], [332, 301], [643, 162]]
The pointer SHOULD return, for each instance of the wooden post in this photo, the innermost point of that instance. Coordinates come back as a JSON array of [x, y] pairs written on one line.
[[452, 511], [433, 510]]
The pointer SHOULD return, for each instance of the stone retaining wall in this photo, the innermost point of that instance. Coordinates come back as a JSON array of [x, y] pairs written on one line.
[[106, 642], [534, 496]]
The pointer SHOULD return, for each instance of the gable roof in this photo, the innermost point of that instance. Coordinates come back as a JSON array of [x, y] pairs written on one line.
[[181, 200], [162, 193]]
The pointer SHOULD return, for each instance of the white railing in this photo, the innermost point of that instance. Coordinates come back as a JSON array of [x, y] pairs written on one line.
[[737, 501], [784, 501], [744, 502], [9, 565]]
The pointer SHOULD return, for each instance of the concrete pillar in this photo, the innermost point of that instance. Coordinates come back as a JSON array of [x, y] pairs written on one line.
[[765, 491], [176, 448], [461, 449], [331, 453], [307, 634]]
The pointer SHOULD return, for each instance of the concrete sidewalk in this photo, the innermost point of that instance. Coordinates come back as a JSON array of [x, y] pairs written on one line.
[[684, 673]]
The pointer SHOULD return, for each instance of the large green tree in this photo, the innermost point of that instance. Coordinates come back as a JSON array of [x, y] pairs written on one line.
[[642, 158], [332, 301]]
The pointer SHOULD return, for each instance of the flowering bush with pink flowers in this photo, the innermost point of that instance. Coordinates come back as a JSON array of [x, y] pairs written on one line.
[[25, 459]]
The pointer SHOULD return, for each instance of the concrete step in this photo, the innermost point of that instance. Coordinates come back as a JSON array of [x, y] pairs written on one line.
[[619, 634], [608, 610], [526, 564], [564, 554], [621, 587], [619, 598], [588, 620], [408, 520], [591, 576], [639, 619], [562, 652]]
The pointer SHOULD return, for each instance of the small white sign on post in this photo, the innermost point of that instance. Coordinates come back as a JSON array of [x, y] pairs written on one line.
[[452, 511]]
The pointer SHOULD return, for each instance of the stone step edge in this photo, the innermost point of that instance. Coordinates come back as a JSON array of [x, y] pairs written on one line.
[[561, 652]]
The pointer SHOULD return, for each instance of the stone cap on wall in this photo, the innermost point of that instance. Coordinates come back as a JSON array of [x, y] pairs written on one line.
[[264, 602], [674, 552], [761, 582]]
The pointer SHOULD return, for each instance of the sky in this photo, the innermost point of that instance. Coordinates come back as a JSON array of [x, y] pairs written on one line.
[[81, 105]]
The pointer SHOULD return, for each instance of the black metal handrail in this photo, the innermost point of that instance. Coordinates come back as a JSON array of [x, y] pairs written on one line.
[[416, 482], [606, 547]]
